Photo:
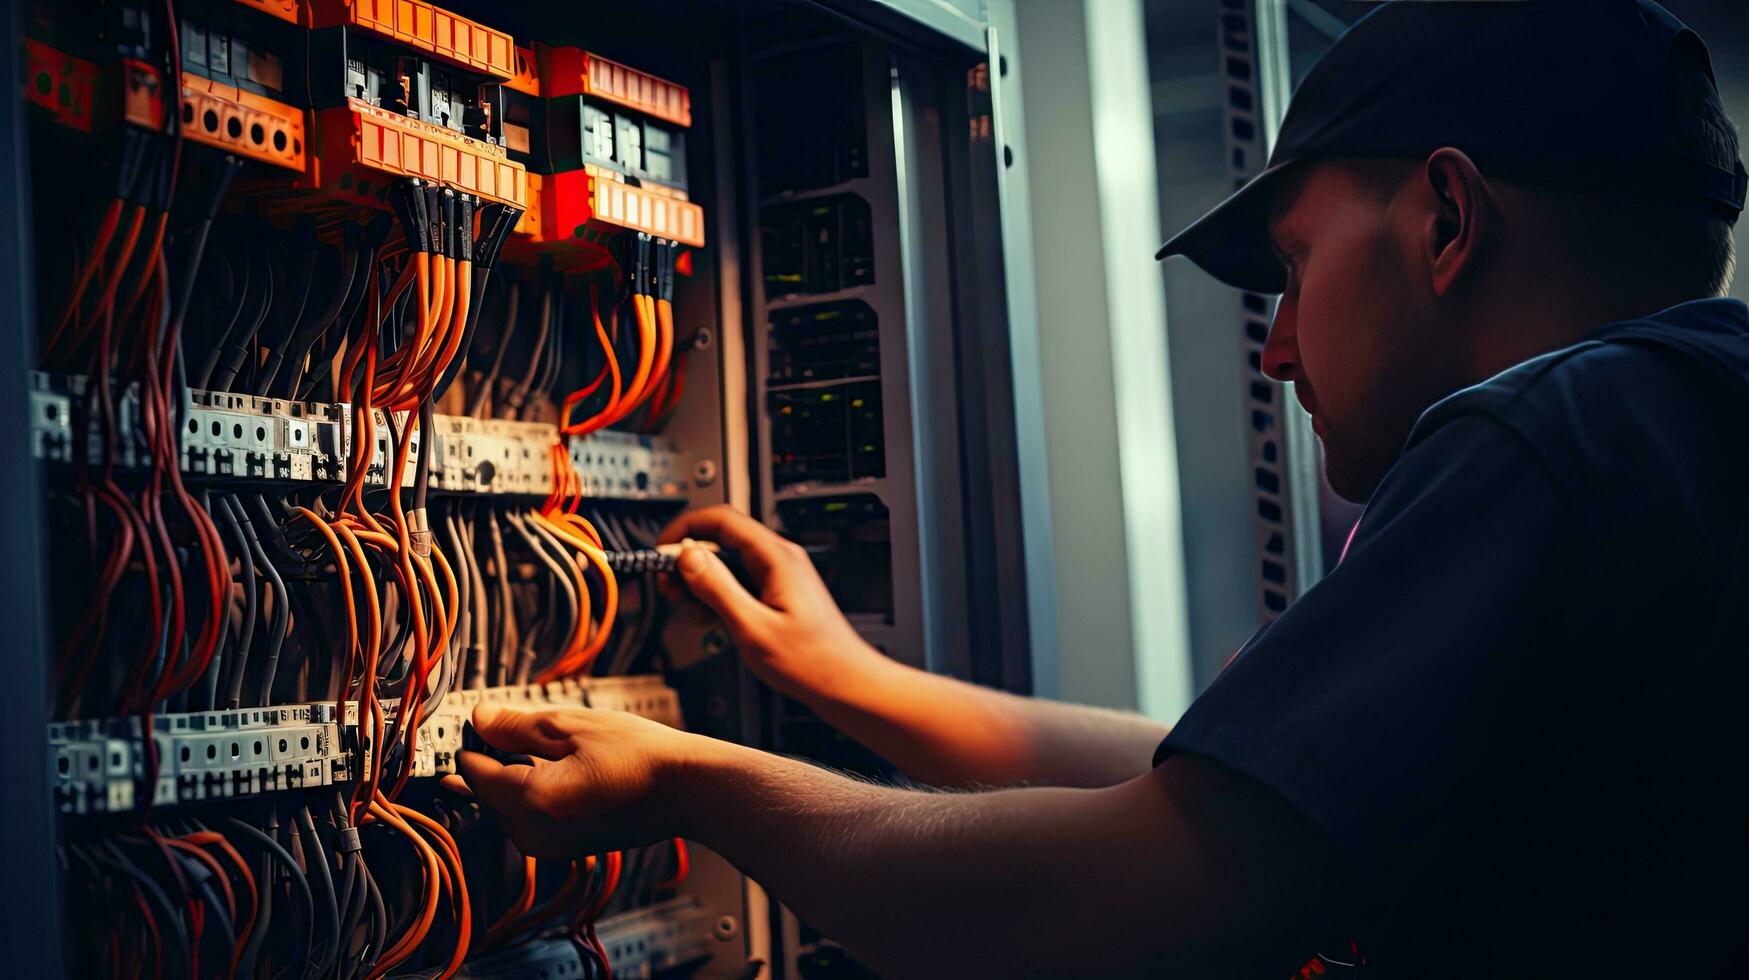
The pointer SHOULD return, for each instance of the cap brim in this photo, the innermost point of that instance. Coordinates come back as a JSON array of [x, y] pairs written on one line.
[[1231, 242]]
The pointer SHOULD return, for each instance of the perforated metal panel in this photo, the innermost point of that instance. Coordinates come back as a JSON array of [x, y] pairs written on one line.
[[1284, 463]]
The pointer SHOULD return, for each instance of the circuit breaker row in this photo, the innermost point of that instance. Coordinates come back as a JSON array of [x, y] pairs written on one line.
[[96, 764], [639, 943], [231, 435]]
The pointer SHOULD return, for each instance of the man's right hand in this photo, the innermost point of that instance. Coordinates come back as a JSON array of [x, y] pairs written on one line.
[[792, 634], [934, 728]]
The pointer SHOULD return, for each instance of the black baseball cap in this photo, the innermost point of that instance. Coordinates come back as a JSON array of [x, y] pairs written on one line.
[[1565, 92]]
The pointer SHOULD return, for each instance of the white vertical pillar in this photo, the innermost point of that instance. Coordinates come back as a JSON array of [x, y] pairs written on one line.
[[1075, 110], [1123, 151]]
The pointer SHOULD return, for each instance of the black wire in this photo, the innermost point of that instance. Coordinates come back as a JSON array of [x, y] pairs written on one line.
[[268, 529], [561, 586], [219, 912], [263, 915], [558, 562], [464, 621], [427, 446], [379, 921], [252, 285], [555, 351], [298, 879], [357, 289], [505, 602], [234, 348], [289, 319], [246, 638], [303, 333], [476, 301], [518, 396], [281, 622], [172, 923], [212, 680], [513, 304], [331, 903], [481, 603], [197, 249]]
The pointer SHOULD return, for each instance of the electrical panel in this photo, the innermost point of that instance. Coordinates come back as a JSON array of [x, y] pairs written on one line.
[[376, 341], [340, 450]]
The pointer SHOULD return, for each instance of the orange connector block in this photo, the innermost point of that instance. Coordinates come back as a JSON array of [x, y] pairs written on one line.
[[286, 10], [578, 207], [358, 139], [533, 221], [63, 84], [142, 94], [243, 123], [619, 203], [430, 29], [526, 79], [571, 71]]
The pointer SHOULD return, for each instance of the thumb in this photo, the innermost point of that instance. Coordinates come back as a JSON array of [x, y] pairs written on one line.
[[522, 732], [500, 787], [715, 586]]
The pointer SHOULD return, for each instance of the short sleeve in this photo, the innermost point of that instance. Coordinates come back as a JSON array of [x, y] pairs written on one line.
[[1384, 700]]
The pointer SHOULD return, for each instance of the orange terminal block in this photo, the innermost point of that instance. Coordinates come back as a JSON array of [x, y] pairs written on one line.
[[289, 11], [576, 213], [526, 78], [572, 71], [65, 85], [244, 123], [532, 224], [425, 28], [357, 145], [142, 94]]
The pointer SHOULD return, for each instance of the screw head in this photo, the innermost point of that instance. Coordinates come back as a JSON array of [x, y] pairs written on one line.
[[725, 928], [705, 473]]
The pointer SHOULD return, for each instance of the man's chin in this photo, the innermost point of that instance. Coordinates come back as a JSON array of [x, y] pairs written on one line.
[[1353, 480]]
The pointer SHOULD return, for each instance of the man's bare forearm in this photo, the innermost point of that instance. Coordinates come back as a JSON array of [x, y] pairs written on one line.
[[946, 732], [1130, 880]]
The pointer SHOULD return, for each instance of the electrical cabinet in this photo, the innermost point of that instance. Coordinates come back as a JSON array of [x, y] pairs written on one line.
[[368, 345]]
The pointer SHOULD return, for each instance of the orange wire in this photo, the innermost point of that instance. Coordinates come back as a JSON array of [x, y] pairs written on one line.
[[105, 234], [409, 941], [606, 414], [646, 357], [682, 867], [211, 838], [507, 923]]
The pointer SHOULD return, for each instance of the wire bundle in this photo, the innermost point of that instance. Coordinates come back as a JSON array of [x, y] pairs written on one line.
[[239, 594], [652, 383]]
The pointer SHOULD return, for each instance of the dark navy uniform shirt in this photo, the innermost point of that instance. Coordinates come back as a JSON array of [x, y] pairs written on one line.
[[1520, 702]]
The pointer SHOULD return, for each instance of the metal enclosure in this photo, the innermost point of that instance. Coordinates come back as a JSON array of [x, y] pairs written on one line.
[[950, 486]]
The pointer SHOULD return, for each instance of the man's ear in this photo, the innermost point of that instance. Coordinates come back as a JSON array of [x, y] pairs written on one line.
[[1458, 219]]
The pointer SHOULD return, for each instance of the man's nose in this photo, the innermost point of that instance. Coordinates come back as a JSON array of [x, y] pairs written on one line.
[[1281, 352]]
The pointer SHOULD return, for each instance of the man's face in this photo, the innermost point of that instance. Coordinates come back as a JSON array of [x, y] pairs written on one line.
[[1352, 331]]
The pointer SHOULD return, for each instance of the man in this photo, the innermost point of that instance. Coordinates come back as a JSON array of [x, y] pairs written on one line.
[[1499, 739]]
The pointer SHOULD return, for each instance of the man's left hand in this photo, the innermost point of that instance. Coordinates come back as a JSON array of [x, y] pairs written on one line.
[[597, 782]]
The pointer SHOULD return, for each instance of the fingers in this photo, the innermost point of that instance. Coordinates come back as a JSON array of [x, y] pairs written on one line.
[[715, 586], [533, 733], [500, 787], [759, 546]]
